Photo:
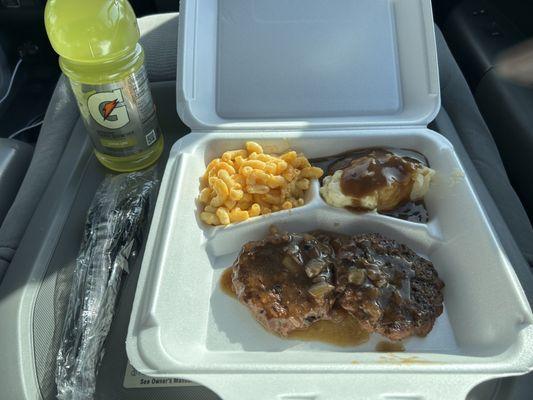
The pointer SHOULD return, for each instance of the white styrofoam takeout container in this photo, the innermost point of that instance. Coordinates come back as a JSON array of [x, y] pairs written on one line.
[[183, 325]]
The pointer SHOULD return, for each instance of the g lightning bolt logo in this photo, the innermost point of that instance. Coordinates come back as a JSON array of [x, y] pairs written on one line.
[[108, 109]]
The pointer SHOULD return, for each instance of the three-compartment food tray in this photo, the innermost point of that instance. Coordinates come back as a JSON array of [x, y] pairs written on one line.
[[183, 325]]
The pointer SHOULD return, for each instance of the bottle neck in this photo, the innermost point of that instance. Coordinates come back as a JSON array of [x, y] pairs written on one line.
[[101, 72]]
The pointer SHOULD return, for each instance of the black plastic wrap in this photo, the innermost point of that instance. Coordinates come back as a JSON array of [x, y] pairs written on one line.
[[111, 237]]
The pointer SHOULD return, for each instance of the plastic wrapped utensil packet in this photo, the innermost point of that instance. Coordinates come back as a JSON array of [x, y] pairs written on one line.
[[111, 236]]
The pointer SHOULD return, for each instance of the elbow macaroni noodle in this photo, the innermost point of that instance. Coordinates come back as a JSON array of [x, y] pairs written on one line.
[[246, 183]]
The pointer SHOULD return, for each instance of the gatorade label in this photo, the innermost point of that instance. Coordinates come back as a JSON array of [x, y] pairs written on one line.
[[120, 116]]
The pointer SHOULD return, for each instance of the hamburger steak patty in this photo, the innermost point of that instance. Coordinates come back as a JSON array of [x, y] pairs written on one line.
[[291, 280], [387, 287], [286, 280]]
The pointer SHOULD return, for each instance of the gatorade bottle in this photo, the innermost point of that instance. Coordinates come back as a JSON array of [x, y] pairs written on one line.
[[97, 41]]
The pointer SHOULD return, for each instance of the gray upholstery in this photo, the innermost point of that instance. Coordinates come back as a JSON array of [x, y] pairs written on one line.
[[15, 156], [459, 103], [160, 42], [507, 108], [59, 121]]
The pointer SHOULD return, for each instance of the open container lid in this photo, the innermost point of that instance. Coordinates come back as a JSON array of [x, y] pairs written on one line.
[[306, 64]]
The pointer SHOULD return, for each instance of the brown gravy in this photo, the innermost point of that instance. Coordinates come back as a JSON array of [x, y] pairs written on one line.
[[343, 332], [226, 284], [366, 174], [389, 347], [413, 211], [357, 182], [333, 163]]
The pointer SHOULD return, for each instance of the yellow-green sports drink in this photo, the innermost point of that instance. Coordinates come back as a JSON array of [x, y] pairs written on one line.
[[98, 45]]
